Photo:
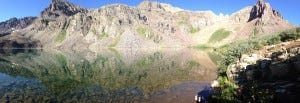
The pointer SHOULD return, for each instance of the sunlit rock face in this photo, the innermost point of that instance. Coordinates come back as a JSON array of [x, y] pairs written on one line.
[[64, 25], [264, 10], [61, 8]]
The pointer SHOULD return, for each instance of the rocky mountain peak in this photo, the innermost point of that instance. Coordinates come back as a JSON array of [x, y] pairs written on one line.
[[61, 8], [151, 5], [13, 24], [260, 1], [263, 10]]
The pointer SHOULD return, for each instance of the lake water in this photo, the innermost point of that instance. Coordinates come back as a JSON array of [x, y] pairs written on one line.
[[108, 76]]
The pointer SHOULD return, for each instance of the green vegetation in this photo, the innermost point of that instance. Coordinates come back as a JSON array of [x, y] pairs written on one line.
[[61, 36], [142, 31], [157, 39], [149, 60], [228, 92], [15, 70], [233, 51], [182, 22], [255, 31], [61, 59], [219, 35], [202, 47], [194, 30], [214, 57], [115, 52], [292, 34], [116, 41], [65, 73], [100, 36], [148, 33], [192, 64]]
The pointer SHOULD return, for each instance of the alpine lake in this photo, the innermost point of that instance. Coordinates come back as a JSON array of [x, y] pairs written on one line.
[[106, 76]]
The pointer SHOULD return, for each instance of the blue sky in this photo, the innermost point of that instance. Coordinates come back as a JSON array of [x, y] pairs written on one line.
[[290, 9]]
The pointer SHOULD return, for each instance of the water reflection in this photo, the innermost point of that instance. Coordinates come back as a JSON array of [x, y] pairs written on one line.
[[125, 75]]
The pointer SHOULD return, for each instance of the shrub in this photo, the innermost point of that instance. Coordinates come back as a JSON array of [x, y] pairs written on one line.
[[227, 94], [215, 57], [273, 40], [291, 34], [194, 30], [182, 22], [298, 29], [102, 35], [148, 33], [202, 46], [61, 36], [255, 31], [116, 41], [142, 31]]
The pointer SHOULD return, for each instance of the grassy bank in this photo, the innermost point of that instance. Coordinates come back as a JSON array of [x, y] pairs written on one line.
[[233, 51], [202, 47], [219, 35]]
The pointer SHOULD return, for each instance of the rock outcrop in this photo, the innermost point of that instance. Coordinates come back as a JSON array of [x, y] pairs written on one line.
[[263, 10], [242, 15], [61, 8], [234, 71], [279, 60], [150, 25], [275, 69], [264, 15]]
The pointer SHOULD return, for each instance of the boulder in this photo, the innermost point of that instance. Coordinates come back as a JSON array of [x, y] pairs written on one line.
[[250, 59], [264, 68], [215, 84], [250, 75], [280, 70], [264, 63], [234, 71], [297, 66]]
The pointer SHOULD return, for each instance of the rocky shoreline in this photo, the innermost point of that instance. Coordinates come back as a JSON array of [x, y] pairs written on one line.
[[273, 71]]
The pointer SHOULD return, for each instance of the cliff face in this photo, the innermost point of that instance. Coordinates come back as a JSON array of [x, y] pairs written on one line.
[[263, 19], [151, 24], [60, 8], [263, 10]]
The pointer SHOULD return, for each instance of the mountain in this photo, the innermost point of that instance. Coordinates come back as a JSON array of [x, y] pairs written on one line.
[[263, 19], [64, 25], [15, 24], [61, 8], [10, 36]]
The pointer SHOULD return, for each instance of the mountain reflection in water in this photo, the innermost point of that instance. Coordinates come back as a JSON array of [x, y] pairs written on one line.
[[125, 75]]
